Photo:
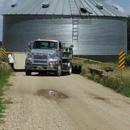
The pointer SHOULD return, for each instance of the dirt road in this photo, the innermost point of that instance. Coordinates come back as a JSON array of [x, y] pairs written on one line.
[[63, 103]]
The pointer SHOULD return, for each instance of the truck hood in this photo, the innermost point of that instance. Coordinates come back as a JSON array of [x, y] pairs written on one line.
[[43, 51]]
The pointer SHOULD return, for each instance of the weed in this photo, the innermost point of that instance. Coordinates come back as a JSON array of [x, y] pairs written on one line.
[[8, 101], [5, 72], [117, 79]]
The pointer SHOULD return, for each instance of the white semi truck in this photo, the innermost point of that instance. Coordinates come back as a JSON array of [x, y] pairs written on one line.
[[45, 55]]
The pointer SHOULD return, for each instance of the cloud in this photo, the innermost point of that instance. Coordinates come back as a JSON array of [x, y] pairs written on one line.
[[120, 8], [128, 11], [111, 2], [125, 9]]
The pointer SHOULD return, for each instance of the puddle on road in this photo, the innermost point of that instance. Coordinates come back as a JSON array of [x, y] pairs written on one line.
[[51, 94]]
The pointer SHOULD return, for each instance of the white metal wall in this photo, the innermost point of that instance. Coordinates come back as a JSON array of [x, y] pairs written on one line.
[[95, 36]]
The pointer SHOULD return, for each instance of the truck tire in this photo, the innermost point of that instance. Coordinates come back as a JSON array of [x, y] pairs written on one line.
[[58, 72], [27, 72], [70, 70]]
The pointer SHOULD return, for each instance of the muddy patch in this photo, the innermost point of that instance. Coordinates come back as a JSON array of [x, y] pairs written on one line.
[[106, 100], [102, 99], [51, 94]]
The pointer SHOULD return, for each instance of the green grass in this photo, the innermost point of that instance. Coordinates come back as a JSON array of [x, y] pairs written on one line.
[[117, 80], [5, 72], [3, 82]]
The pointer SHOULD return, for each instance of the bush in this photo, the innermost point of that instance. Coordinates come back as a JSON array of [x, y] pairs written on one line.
[[116, 80], [5, 69], [5, 72], [124, 88], [120, 85]]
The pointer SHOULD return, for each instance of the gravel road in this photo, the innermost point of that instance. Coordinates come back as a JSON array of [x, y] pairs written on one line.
[[62, 103]]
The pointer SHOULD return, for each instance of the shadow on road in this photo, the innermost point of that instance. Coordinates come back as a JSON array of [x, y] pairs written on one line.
[[75, 70], [19, 70]]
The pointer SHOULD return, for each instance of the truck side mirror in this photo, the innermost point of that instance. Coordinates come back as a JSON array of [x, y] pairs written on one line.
[[30, 44], [27, 49]]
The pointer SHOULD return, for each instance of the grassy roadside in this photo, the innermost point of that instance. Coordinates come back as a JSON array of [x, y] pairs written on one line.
[[118, 80], [5, 73]]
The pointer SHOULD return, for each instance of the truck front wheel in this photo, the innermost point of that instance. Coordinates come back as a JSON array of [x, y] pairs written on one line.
[[58, 72], [27, 72], [70, 70]]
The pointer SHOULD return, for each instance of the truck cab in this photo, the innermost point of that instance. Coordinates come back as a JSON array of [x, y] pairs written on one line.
[[47, 56]]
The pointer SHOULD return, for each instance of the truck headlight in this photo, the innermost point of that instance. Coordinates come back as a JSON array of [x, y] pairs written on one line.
[[56, 62], [53, 63]]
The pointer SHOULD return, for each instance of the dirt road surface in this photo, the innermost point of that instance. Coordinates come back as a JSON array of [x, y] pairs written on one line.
[[62, 103]]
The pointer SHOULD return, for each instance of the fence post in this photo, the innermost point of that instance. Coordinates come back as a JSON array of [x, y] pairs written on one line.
[[3, 53], [121, 60]]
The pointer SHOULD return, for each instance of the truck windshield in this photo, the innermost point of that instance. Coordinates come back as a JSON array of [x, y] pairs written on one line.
[[44, 45]]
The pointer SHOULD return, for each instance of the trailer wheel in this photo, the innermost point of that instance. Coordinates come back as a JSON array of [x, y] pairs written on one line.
[[27, 72], [58, 72]]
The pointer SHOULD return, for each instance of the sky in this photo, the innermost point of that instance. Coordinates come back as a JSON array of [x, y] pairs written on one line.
[[123, 6]]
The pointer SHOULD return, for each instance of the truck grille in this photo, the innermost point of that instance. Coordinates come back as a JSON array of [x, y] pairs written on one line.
[[40, 56], [40, 61]]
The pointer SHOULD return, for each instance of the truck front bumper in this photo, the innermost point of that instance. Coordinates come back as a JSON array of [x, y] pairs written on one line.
[[37, 68]]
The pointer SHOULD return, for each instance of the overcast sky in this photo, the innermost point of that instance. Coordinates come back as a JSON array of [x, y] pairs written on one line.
[[123, 6]]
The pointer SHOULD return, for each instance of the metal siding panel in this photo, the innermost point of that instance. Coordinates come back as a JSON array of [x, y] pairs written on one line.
[[95, 9], [29, 8], [103, 37], [66, 8], [79, 5], [59, 9], [37, 7], [74, 8], [104, 10], [98, 50], [113, 10], [24, 8], [86, 5], [111, 13], [18, 7], [43, 10], [52, 7], [20, 33], [105, 13], [96, 36]]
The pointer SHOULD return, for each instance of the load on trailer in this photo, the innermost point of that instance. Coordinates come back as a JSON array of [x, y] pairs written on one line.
[[45, 55]]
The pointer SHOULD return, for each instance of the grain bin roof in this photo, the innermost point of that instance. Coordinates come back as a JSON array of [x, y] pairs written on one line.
[[65, 7]]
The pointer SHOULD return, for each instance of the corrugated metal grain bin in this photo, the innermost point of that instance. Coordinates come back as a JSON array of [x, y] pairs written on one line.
[[92, 26]]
